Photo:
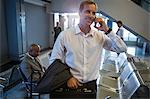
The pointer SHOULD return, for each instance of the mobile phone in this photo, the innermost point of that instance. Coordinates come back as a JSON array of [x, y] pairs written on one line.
[[98, 22]]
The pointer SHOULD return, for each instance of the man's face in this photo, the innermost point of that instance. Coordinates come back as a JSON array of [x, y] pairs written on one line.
[[87, 15], [35, 51], [119, 24]]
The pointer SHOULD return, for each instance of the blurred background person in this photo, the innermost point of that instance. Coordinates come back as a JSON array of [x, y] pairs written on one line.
[[120, 29], [57, 30]]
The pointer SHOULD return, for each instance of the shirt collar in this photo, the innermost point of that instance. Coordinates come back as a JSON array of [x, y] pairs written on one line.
[[78, 31]]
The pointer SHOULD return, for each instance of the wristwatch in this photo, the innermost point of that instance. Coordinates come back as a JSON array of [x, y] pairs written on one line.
[[108, 31]]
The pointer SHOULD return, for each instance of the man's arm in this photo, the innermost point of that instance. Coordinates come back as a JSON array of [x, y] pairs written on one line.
[[121, 35], [114, 42], [58, 50], [118, 44], [27, 69]]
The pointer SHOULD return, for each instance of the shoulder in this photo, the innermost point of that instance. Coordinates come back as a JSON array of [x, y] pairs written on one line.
[[99, 35], [26, 59], [25, 62]]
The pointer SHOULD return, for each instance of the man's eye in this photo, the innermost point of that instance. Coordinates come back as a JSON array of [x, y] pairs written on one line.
[[87, 11]]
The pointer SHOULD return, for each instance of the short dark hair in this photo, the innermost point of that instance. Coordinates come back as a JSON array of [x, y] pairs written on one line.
[[119, 22], [85, 3]]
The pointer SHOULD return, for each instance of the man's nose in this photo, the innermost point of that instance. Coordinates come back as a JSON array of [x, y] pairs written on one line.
[[92, 15]]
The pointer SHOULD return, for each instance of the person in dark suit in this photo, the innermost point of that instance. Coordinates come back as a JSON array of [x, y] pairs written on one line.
[[57, 30], [31, 64], [48, 79]]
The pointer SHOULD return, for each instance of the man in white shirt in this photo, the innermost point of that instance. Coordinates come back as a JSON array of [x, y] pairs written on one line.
[[120, 29], [81, 47]]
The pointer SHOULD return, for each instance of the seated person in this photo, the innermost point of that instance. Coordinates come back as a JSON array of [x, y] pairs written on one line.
[[46, 80], [31, 64]]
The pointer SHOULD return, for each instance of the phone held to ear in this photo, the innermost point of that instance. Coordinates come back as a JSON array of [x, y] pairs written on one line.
[[98, 22]]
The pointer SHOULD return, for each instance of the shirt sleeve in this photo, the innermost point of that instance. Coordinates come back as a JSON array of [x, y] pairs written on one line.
[[117, 44], [58, 50], [26, 69]]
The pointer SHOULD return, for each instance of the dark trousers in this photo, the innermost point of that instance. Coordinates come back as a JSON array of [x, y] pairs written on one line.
[[87, 91]]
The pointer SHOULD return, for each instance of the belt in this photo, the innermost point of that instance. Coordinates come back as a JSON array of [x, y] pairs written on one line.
[[88, 87]]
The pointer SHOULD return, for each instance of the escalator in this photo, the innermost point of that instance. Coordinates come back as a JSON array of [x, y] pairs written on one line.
[[135, 18]]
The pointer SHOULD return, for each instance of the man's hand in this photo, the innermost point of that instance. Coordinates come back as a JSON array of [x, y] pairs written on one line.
[[73, 83], [103, 26]]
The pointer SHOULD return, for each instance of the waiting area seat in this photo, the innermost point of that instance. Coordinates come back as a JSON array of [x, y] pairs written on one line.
[[128, 85], [28, 85], [14, 89], [122, 80], [18, 87]]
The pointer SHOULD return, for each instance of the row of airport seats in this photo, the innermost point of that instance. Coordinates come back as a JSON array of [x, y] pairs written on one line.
[[15, 80], [22, 87], [127, 78], [124, 78]]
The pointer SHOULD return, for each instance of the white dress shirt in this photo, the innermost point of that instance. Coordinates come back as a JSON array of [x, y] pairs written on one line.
[[120, 32], [82, 53]]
